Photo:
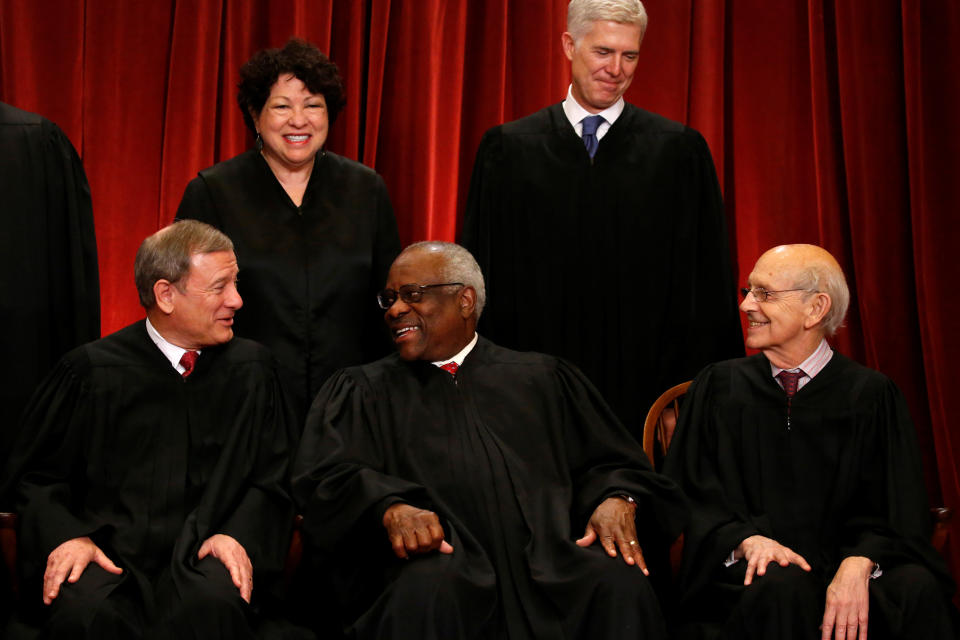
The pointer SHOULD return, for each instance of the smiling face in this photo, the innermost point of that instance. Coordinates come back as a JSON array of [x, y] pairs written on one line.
[[603, 63], [787, 327], [200, 308], [442, 323], [293, 124]]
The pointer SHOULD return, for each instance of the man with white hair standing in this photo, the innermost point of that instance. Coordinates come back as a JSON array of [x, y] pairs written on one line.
[[810, 516], [581, 212]]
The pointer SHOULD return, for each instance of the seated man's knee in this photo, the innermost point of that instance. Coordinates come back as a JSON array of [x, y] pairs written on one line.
[[94, 606], [208, 604], [785, 586]]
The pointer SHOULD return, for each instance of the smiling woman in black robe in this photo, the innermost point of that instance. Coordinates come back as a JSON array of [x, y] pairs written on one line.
[[313, 231]]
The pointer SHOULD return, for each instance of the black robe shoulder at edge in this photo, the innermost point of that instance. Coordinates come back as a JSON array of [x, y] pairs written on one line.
[[856, 487], [308, 274], [620, 265], [53, 303], [149, 465]]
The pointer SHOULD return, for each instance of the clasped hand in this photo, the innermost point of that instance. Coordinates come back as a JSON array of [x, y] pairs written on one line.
[[614, 525], [414, 531]]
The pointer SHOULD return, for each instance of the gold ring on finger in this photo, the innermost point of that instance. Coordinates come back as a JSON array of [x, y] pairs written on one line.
[[633, 542]]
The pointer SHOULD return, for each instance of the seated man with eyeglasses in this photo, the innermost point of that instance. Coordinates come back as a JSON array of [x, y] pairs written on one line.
[[467, 490], [810, 517]]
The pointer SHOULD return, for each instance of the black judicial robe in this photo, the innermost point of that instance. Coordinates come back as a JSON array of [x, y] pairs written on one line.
[[50, 293], [620, 265], [513, 457], [118, 447], [843, 480], [309, 274]]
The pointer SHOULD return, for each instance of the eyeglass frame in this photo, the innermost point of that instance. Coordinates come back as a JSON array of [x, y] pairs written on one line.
[[418, 290], [745, 291]]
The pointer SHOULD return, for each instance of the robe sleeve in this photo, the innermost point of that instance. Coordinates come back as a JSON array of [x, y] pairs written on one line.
[[702, 294], [47, 465], [483, 197], [606, 461], [339, 480], [384, 250], [263, 518], [69, 192], [719, 519], [891, 525], [197, 204]]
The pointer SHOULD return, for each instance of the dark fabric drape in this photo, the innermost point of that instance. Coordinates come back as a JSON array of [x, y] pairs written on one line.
[[830, 121]]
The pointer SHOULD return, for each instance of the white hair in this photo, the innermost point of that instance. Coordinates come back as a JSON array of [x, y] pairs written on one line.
[[459, 265], [581, 14], [820, 276]]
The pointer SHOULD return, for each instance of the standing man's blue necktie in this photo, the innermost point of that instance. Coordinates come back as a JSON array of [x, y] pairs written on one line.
[[590, 126]]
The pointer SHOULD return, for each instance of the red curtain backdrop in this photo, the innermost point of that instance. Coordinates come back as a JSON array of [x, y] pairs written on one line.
[[830, 121]]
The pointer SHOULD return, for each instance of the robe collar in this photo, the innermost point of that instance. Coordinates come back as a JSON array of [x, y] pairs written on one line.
[[171, 352], [462, 355]]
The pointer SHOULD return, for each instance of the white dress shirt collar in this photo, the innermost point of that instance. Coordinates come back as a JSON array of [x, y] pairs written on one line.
[[172, 352], [460, 357], [575, 114]]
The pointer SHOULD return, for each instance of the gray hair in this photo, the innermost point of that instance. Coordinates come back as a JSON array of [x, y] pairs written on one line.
[[459, 265], [166, 254], [823, 277], [581, 14]]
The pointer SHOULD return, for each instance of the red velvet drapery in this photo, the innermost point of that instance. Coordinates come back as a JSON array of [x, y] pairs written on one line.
[[831, 121]]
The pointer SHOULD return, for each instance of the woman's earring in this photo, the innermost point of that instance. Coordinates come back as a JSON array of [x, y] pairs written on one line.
[[258, 142]]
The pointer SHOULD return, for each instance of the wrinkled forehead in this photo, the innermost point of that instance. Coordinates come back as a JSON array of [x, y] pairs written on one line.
[[415, 267], [773, 272]]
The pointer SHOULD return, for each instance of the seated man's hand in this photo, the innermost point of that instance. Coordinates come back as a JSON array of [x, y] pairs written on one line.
[[761, 551], [613, 523], [848, 601], [68, 561], [412, 531], [234, 557]]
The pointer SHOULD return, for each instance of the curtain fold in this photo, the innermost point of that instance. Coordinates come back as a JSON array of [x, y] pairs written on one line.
[[829, 122]]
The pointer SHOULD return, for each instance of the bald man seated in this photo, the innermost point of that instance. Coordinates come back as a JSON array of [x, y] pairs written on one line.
[[810, 518]]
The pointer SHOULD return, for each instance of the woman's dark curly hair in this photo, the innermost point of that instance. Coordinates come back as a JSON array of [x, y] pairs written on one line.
[[298, 57]]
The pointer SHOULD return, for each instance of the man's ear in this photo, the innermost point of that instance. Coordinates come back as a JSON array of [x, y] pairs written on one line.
[[163, 291], [467, 301], [568, 45], [816, 308]]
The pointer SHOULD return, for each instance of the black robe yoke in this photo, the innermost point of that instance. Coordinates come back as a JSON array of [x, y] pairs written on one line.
[[308, 274], [620, 265], [843, 480], [514, 457], [50, 294], [118, 447]]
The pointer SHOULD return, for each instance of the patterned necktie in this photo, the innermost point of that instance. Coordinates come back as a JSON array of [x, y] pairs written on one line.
[[589, 135], [789, 381], [187, 361], [451, 368]]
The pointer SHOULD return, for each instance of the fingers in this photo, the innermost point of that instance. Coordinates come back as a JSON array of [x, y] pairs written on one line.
[[205, 549], [54, 576], [589, 537], [446, 547], [101, 559], [751, 570]]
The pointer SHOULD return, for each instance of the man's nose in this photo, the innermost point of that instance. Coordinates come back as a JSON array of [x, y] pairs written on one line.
[[397, 309], [233, 301], [749, 303], [614, 65]]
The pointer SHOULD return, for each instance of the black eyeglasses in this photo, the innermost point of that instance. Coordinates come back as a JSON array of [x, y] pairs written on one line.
[[760, 294], [409, 293]]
